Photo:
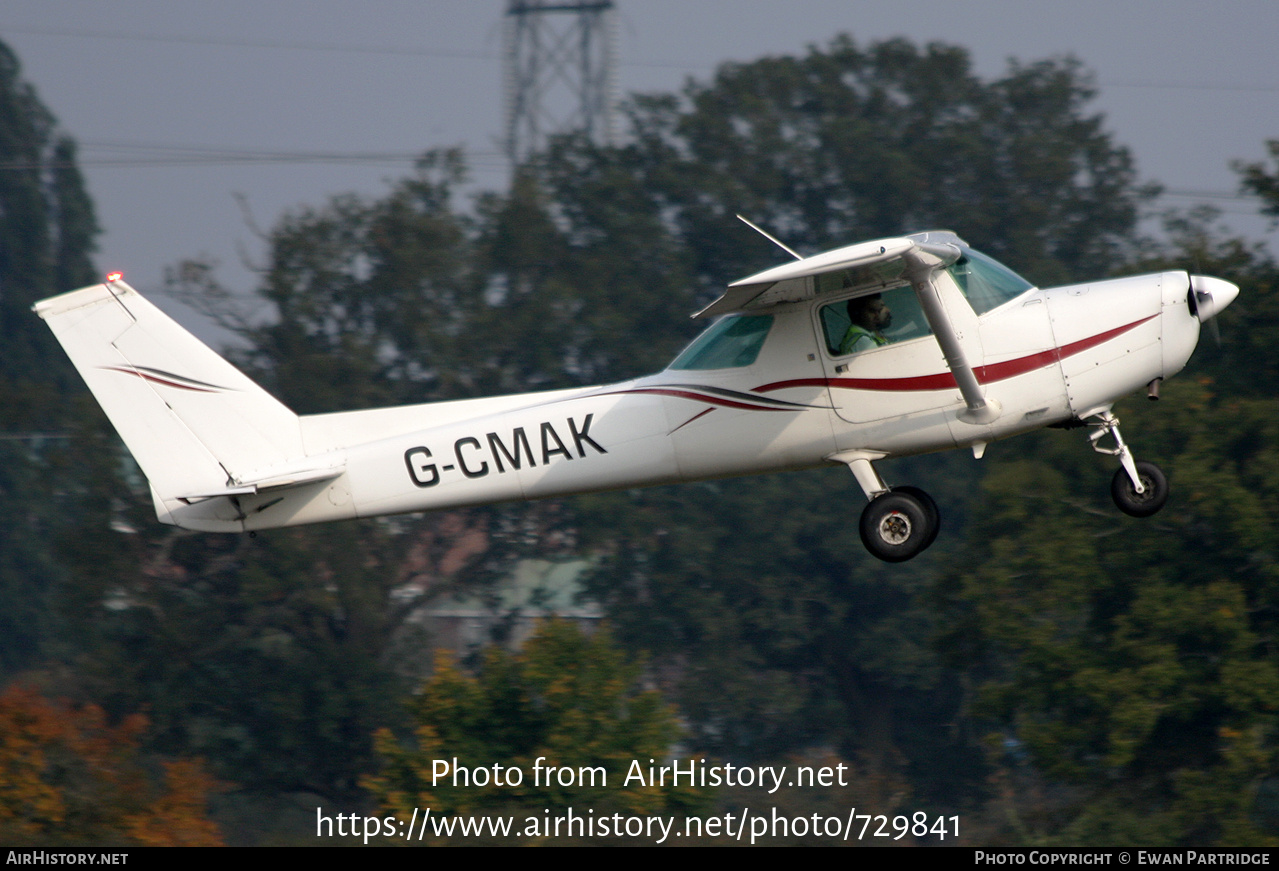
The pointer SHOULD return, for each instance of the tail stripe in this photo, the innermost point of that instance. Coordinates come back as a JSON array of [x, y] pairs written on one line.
[[168, 379]]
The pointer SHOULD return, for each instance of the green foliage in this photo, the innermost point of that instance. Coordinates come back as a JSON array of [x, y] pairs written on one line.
[[369, 295], [565, 700], [845, 144], [1131, 658], [47, 230], [1259, 179], [771, 627], [274, 657]]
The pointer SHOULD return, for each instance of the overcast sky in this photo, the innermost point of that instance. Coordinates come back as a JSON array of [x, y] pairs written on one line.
[[1188, 85]]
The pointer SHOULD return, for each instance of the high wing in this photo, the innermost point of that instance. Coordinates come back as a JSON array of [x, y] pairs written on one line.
[[870, 267]]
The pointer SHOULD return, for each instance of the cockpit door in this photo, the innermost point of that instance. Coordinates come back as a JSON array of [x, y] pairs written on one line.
[[904, 374]]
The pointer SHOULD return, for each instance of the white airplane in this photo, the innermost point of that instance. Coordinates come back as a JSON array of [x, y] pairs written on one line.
[[883, 349]]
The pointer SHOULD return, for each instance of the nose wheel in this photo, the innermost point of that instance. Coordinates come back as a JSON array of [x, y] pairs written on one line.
[[1154, 488], [899, 524], [1139, 489]]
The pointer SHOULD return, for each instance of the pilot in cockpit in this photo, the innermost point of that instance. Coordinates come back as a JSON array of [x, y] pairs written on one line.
[[869, 316]]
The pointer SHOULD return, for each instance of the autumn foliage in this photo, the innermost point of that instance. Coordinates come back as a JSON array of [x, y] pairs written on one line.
[[68, 776]]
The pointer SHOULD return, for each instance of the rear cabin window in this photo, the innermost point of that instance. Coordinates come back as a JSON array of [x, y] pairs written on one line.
[[730, 343]]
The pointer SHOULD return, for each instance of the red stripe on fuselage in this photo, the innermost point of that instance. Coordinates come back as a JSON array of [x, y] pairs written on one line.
[[946, 381]]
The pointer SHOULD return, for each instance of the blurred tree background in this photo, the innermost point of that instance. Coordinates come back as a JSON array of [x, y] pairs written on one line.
[[1051, 670]]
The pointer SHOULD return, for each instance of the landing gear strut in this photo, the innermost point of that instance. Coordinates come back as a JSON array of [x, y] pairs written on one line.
[[1139, 489]]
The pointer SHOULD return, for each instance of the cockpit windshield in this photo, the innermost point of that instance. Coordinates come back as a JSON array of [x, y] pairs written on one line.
[[985, 281]]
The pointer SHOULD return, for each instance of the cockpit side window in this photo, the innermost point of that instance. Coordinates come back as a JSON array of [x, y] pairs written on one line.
[[905, 320], [985, 281], [730, 343]]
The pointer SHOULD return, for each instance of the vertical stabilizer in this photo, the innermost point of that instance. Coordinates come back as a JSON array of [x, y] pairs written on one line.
[[193, 421]]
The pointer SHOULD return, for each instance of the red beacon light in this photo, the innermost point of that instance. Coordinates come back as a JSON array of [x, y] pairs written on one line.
[[114, 276]]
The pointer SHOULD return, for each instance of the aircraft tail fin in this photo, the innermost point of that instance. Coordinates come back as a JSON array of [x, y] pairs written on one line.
[[194, 423]]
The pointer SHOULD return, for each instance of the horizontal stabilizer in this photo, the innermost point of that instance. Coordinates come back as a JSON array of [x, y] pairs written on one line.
[[262, 485]]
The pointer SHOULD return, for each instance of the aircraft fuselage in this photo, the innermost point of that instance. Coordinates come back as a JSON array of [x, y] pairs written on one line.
[[1046, 356]]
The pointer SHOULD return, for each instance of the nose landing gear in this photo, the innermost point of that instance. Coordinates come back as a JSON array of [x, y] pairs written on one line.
[[1154, 490], [898, 524], [1139, 489]]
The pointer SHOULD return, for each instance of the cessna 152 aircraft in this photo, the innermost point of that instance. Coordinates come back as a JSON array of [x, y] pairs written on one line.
[[882, 349]]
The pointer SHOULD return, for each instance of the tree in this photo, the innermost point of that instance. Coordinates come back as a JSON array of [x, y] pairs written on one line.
[[369, 297], [566, 699], [47, 231], [68, 777], [1129, 659], [275, 658], [1257, 179], [845, 144]]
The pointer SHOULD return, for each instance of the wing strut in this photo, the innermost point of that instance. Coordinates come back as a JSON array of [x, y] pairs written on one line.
[[921, 262]]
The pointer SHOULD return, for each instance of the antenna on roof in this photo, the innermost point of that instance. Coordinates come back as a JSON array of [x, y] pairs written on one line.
[[769, 238]]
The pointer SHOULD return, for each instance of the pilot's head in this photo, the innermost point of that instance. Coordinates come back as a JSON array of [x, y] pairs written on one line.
[[870, 313]]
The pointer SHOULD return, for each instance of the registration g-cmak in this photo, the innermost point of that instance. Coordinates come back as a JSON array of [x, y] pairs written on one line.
[[883, 349]]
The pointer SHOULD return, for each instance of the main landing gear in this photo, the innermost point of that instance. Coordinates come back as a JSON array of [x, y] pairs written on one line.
[[899, 524], [896, 524]]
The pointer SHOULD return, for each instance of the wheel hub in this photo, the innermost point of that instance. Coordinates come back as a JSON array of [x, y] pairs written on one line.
[[895, 528]]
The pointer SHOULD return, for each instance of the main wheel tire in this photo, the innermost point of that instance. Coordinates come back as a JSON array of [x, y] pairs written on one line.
[[894, 526], [930, 507], [1136, 504]]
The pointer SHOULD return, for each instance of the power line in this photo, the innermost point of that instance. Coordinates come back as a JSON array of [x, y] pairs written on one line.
[[144, 155], [158, 155], [344, 47], [1207, 195], [1195, 86], [408, 51]]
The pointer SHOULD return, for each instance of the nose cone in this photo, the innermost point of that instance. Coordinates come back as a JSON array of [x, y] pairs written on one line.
[[1210, 296]]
